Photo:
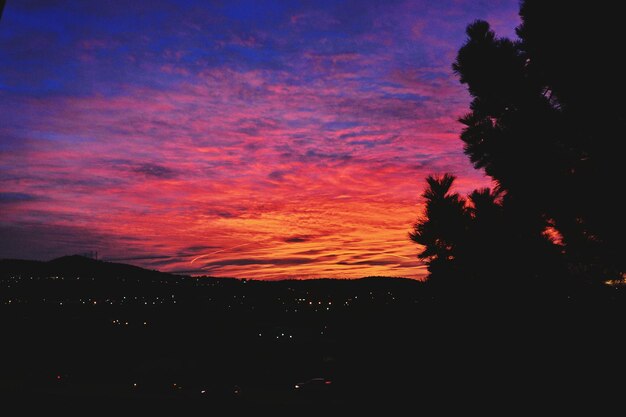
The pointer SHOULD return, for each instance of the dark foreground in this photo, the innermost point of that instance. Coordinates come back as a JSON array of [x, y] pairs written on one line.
[[366, 343]]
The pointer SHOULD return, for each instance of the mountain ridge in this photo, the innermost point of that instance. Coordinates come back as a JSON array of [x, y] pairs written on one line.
[[74, 265]]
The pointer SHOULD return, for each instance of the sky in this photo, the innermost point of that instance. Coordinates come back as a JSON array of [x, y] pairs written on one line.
[[250, 139]]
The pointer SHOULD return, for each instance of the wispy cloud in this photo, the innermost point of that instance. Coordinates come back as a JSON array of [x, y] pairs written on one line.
[[286, 140]]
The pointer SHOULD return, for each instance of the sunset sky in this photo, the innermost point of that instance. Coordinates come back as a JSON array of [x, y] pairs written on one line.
[[257, 139]]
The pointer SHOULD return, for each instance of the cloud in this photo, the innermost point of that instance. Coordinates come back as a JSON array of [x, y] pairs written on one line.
[[373, 142], [155, 171], [10, 197], [277, 261], [298, 239], [369, 262], [199, 248], [278, 175], [243, 130], [139, 258], [311, 252]]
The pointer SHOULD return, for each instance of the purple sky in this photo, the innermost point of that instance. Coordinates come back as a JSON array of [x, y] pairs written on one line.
[[237, 138]]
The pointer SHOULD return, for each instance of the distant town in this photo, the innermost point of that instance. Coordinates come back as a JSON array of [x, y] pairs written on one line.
[[77, 327], [162, 335]]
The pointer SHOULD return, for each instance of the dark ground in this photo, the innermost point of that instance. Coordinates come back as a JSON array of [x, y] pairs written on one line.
[[246, 344]]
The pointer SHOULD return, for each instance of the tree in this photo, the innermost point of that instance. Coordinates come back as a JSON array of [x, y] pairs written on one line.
[[543, 123], [442, 229], [486, 249]]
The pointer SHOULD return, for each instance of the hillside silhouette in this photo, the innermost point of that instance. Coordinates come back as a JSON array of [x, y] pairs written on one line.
[[76, 265]]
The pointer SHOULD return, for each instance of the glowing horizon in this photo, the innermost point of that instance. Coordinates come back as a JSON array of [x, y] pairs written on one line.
[[228, 139]]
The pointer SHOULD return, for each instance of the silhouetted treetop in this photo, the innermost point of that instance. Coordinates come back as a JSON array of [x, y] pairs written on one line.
[[545, 125], [491, 67], [442, 227]]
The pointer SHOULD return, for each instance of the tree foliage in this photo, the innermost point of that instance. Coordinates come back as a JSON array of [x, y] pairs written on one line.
[[441, 231], [545, 125]]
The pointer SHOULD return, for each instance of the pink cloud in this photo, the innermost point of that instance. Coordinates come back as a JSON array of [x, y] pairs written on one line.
[[231, 162]]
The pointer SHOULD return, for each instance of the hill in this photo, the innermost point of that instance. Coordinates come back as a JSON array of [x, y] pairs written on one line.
[[77, 266]]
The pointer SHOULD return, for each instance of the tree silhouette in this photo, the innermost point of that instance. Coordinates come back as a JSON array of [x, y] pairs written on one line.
[[479, 242], [485, 248], [542, 124], [442, 230]]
